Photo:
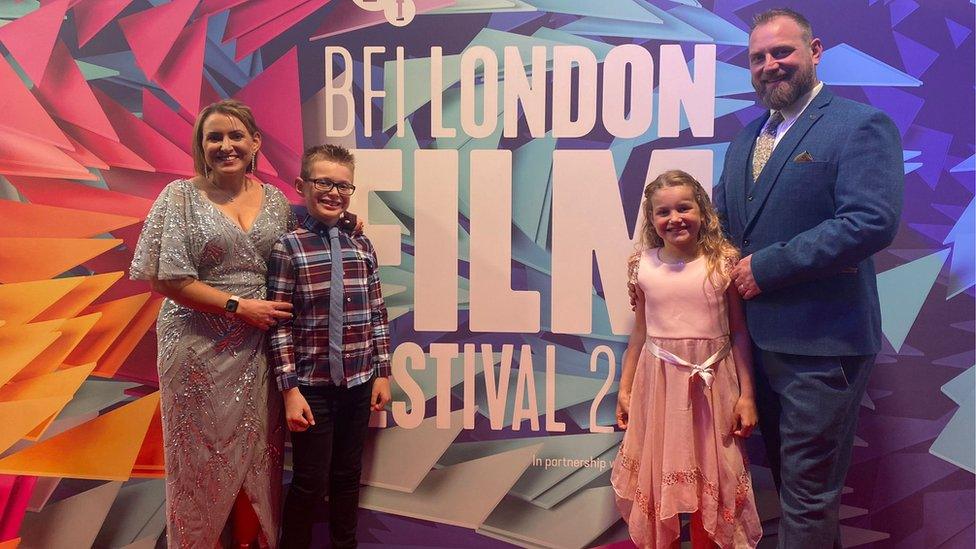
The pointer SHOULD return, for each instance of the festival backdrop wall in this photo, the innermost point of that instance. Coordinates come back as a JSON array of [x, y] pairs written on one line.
[[502, 149]]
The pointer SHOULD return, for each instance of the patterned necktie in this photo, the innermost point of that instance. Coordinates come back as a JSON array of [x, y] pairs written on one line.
[[335, 309], [764, 145]]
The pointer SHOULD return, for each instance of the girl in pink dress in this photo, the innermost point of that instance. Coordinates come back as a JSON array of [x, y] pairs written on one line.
[[686, 393]]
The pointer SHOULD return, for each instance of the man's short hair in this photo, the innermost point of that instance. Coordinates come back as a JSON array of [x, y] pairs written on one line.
[[332, 153], [764, 17]]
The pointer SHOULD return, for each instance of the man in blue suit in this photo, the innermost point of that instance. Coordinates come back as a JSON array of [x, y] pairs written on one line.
[[809, 192]]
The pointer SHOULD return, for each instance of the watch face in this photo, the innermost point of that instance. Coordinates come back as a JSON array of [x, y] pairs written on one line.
[[231, 306]]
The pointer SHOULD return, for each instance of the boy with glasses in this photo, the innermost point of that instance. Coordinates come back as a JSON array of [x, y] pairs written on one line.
[[332, 359]]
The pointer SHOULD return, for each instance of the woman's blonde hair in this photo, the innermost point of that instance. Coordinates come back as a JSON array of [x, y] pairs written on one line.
[[718, 251], [229, 107]]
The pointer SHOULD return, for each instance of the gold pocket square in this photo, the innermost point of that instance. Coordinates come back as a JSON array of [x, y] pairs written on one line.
[[803, 157]]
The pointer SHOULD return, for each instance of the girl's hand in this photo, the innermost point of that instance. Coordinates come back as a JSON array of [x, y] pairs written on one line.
[[744, 417], [298, 414], [263, 314], [623, 409]]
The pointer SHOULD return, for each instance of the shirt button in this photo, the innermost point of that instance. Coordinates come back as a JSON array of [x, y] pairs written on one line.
[[348, 299]]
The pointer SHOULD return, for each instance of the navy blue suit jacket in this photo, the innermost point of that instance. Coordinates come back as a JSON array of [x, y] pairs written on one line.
[[812, 224]]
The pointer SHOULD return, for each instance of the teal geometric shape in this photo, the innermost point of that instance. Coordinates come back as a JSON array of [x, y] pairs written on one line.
[[451, 118], [967, 165], [729, 79], [961, 386], [416, 86], [718, 155], [497, 41], [625, 10], [94, 72], [402, 201], [721, 31], [902, 292], [955, 443], [575, 482], [599, 49], [845, 65], [962, 271], [16, 10], [530, 178]]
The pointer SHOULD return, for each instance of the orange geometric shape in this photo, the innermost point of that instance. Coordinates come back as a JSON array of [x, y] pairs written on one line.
[[22, 219], [91, 16], [20, 345], [20, 155], [104, 448], [168, 123], [146, 142], [83, 156], [58, 192], [116, 315], [276, 101], [123, 345], [23, 114], [63, 383], [110, 151], [250, 41], [83, 294], [65, 94], [181, 74], [151, 33], [31, 38], [149, 462], [73, 330], [23, 259], [20, 303], [21, 416], [10, 543]]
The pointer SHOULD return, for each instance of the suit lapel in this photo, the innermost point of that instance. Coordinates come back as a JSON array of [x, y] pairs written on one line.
[[784, 152]]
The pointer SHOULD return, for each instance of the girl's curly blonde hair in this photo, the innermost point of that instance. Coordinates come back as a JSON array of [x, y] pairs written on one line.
[[719, 253]]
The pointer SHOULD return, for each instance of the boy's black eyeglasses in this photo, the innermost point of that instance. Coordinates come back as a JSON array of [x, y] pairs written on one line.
[[325, 185]]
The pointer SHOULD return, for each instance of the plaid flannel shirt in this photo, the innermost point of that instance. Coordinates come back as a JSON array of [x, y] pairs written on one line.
[[300, 273]]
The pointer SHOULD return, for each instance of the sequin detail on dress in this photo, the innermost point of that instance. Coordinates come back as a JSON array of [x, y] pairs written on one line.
[[222, 424]]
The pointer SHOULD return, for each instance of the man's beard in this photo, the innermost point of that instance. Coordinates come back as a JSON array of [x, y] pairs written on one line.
[[787, 91]]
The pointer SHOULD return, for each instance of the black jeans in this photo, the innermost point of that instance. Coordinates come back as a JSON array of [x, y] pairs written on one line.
[[328, 459]]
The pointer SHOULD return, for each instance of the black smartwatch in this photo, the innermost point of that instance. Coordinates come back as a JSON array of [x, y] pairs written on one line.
[[230, 308]]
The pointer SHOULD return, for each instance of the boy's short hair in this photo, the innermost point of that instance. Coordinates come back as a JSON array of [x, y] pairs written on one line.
[[332, 153]]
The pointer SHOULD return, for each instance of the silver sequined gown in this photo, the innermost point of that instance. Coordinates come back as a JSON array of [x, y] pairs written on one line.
[[222, 421]]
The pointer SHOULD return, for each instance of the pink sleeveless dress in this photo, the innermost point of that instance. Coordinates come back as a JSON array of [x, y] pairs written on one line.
[[678, 454]]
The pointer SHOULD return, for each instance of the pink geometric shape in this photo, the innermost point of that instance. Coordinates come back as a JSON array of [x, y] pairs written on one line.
[[58, 192], [347, 16], [84, 156], [111, 152], [250, 41], [23, 114], [15, 491], [284, 160], [275, 99], [182, 72], [165, 121], [151, 33], [65, 94], [209, 7], [247, 17], [31, 38], [145, 141], [22, 156], [143, 184], [91, 16]]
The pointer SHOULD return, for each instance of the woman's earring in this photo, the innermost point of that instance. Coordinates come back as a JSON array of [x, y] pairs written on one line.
[[206, 171], [253, 161]]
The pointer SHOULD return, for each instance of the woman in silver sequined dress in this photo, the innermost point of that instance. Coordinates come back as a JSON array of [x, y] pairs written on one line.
[[205, 246]]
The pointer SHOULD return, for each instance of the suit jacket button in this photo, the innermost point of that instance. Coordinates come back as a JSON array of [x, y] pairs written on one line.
[[749, 198], [745, 242]]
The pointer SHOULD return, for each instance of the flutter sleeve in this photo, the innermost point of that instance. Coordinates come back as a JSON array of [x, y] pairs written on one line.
[[632, 263], [163, 251]]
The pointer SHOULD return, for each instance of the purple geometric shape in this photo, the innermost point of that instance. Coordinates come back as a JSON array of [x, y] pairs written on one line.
[[951, 211], [506, 21], [934, 146], [916, 57], [925, 471], [957, 32], [964, 359], [900, 105], [935, 232], [968, 326], [946, 514], [900, 9], [889, 434]]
